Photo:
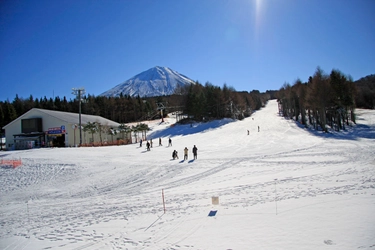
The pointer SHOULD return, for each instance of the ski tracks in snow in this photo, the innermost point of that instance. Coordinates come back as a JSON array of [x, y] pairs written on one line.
[[104, 203]]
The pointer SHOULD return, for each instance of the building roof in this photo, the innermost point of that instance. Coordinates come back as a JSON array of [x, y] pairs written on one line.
[[72, 118]]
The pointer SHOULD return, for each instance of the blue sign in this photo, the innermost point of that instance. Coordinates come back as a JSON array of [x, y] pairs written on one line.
[[57, 130]]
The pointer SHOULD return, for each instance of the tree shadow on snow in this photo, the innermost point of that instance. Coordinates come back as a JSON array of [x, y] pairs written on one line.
[[351, 132], [188, 129]]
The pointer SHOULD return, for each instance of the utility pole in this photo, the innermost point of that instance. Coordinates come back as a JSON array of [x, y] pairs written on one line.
[[78, 92], [1, 141]]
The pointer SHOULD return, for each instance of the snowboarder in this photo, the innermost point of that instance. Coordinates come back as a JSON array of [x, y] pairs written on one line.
[[160, 142], [195, 152], [170, 142], [174, 155], [148, 146], [186, 150]]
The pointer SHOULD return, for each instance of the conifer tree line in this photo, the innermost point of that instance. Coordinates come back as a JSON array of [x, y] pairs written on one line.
[[325, 100], [199, 102], [366, 92], [207, 101]]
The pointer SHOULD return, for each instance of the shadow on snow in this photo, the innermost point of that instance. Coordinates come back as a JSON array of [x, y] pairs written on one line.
[[351, 132], [188, 129]]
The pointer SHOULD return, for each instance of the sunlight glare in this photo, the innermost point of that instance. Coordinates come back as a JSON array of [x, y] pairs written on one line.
[[257, 15]]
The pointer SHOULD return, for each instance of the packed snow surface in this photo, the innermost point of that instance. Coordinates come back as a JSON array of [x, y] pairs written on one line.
[[284, 187]]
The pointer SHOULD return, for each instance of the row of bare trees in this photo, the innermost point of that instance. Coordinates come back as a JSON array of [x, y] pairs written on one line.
[[325, 100]]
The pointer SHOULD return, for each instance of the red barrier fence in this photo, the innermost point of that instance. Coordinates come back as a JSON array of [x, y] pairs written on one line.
[[13, 163]]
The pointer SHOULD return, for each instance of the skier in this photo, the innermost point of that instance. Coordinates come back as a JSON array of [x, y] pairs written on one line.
[[160, 142], [174, 155], [195, 151], [258, 128], [148, 146], [140, 143], [170, 142], [186, 150], [151, 142]]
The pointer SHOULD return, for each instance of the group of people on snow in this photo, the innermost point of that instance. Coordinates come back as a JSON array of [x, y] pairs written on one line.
[[186, 152], [174, 153], [148, 144]]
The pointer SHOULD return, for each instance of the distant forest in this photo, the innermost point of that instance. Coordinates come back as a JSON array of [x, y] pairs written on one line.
[[324, 99], [198, 102]]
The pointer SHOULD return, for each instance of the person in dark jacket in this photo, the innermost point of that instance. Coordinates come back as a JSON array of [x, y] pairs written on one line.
[[174, 155], [195, 152]]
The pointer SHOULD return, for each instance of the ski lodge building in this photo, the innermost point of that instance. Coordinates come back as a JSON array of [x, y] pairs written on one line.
[[49, 128]]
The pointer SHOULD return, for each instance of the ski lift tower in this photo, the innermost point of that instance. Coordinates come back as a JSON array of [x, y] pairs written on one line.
[[160, 107], [78, 92]]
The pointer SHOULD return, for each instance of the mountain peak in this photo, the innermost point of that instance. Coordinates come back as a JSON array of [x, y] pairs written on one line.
[[157, 81]]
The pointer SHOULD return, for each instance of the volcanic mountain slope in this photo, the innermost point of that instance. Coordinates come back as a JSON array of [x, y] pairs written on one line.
[[157, 81]]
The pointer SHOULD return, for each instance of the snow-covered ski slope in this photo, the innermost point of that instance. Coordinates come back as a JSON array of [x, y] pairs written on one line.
[[284, 187]]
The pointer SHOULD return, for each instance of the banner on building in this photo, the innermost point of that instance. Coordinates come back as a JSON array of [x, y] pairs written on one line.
[[56, 130]]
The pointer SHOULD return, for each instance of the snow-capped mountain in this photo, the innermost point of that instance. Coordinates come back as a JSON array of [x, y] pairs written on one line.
[[157, 81]]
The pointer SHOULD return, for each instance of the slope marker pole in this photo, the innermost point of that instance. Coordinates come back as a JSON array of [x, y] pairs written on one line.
[[162, 195], [276, 196]]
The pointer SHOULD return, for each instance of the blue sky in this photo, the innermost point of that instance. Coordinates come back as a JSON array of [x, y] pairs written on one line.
[[49, 47]]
